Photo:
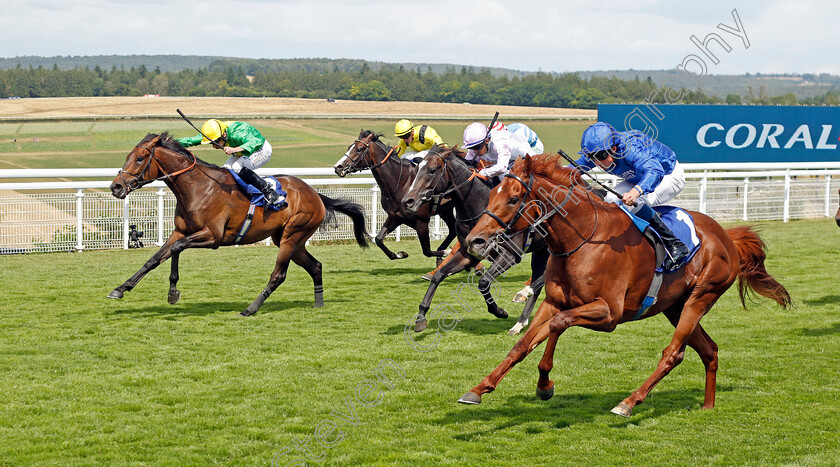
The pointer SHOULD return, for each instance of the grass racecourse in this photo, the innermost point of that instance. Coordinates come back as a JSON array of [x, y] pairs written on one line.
[[90, 381]]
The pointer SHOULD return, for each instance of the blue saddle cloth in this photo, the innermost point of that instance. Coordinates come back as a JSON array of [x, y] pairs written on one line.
[[679, 221], [256, 195]]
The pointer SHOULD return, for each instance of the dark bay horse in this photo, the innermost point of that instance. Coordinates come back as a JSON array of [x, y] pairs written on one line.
[[211, 210], [444, 172], [394, 176], [608, 269]]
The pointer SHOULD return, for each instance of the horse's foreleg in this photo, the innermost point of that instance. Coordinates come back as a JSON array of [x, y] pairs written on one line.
[[391, 223], [160, 256], [422, 229], [694, 309], [456, 263], [503, 262], [448, 217], [537, 333], [174, 294]]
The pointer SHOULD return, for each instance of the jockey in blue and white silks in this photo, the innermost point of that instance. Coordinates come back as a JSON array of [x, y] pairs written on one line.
[[650, 172]]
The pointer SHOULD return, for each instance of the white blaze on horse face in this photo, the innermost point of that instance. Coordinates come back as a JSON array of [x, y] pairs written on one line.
[[341, 161], [419, 168]]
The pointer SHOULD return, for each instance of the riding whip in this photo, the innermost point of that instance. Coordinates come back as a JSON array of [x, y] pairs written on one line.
[[196, 129]]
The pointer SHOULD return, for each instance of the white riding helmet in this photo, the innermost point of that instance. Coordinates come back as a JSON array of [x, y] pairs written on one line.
[[474, 135]]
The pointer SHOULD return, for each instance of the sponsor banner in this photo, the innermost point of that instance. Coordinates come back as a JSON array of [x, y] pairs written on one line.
[[734, 133]]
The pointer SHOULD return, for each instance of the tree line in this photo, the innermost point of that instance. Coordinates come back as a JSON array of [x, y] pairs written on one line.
[[465, 84]]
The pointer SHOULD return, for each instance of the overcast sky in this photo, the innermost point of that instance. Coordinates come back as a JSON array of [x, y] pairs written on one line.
[[801, 36]]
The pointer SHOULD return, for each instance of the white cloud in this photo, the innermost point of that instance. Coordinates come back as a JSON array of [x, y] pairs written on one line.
[[785, 36]]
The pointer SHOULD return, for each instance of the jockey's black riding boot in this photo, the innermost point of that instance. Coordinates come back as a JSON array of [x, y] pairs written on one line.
[[250, 177], [676, 248]]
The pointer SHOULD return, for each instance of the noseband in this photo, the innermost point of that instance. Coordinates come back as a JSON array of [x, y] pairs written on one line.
[[508, 226], [355, 167], [138, 182]]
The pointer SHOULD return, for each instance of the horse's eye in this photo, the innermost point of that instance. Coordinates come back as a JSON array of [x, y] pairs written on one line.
[[140, 159], [514, 200], [432, 170]]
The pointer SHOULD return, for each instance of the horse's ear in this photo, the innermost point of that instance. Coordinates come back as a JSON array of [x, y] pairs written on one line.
[[528, 163]]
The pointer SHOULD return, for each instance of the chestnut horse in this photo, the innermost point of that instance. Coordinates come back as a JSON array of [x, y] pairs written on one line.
[[211, 210], [601, 268], [394, 176]]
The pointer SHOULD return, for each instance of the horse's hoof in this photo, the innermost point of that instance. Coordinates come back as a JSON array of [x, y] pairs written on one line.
[[174, 297], [546, 394], [622, 409], [420, 326], [500, 313], [470, 398], [402, 255], [115, 294], [319, 304], [427, 276], [248, 312], [513, 332]]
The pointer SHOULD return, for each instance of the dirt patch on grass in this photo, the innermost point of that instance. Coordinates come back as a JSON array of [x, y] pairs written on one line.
[[204, 106]]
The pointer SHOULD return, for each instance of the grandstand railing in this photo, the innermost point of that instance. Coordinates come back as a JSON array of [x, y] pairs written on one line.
[[47, 216]]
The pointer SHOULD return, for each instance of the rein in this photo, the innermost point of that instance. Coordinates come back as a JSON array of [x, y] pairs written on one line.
[[137, 182], [436, 199], [354, 167], [508, 226]]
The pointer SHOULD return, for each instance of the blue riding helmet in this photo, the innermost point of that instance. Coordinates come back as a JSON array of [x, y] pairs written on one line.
[[600, 136]]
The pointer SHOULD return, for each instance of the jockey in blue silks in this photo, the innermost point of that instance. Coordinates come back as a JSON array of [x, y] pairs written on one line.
[[650, 172]]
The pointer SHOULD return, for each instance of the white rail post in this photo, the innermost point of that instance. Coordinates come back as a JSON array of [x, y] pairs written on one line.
[[746, 190], [374, 205], [79, 212], [399, 232], [786, 212], [827, 195], [437, 233], [125, 222], [703, 185], [160, 194]]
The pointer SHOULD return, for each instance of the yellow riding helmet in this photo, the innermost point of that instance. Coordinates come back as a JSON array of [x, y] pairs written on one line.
[[402, 128], [212, 129]]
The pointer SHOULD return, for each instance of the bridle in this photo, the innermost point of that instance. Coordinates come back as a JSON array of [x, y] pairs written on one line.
[[355, 167], [137, 182], [436, 198], [558, 207]]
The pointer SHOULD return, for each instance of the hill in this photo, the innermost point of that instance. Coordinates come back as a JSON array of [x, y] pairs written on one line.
[[755, 85]]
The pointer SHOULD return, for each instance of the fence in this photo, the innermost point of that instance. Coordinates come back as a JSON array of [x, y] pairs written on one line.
[[82, 215]]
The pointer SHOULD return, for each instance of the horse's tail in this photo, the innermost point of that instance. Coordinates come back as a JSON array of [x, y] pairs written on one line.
[[353, 210], [752, 276]]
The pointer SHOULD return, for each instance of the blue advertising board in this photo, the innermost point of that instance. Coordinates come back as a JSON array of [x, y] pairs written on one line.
[[734, 133]]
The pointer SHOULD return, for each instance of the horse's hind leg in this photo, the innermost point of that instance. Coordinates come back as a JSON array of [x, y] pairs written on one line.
[[390, 224], [522, 323], [304, 259], [457, 263], [277, 278], [689, 320], [706, 349]]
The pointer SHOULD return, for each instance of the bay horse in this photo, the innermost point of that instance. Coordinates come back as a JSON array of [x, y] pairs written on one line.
[[601, 268], [394, 176], [211, 210], [837, 215], [445, 172]]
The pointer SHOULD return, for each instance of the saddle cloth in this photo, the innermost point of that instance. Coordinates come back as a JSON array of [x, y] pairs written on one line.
[[255, 194], [679, 221]]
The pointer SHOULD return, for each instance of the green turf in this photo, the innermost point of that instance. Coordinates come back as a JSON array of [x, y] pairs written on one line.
[[90, 381]]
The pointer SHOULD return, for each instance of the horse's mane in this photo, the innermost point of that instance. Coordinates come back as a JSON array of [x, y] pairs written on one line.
[[376, 136], [168, 142], [551, 166]]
